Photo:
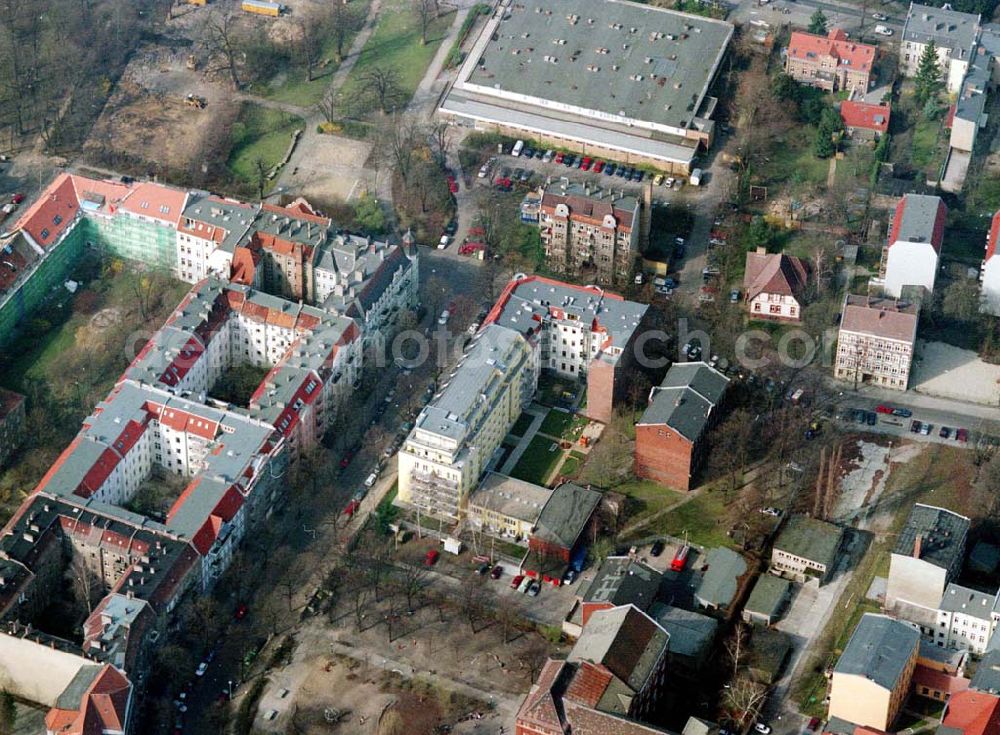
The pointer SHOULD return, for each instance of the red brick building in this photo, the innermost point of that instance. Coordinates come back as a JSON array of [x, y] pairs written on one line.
[[670, 436], [562, 524], [832, 62]]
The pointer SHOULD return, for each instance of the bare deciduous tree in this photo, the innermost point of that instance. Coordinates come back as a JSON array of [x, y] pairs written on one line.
[[426, 11], [223, 44], [381, 83]]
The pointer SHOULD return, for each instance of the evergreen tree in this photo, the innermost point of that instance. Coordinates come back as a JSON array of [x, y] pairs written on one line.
[[817, 23], [928, 79]]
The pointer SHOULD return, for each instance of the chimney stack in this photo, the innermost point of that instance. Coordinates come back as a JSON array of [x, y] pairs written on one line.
[[761, 250], [917, 542]]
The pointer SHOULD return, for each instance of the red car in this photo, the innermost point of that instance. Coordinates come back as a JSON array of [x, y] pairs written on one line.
[[560, 156], [813, 723], [883, 409], [241, 612], [17, 198], [585, 164], [962, 435], [504, 184], [352, 508], [598, 166], [345, 461], [516, 582], [431, 558], [452, 184]]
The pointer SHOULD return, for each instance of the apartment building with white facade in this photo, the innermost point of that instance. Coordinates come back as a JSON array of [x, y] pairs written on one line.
[[580, 332], [989, 271], [966, 618], [456, 434], [876, 341], [954, 35]]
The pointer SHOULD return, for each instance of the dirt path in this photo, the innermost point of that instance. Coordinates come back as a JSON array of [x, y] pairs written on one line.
[[831, 174], [303, 112], [310, 138]]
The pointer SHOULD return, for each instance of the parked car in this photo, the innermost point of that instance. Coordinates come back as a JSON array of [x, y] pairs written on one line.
[[525, 584], [371, 479], [598, 166], [880, 16], [871, 418], [548, 156], [962, 435], [945, 432], [585, 163], [17, 198], [903, 413], [762, 728], [241, 612], [734, 296], [658, 180], [483, 569], [559, 157], [925, 429], [496, 572], [883, 409], [443, 319], [534, 589], [657, 548], [638, 175], [915, 426], [452, 184], [883, 30], [202, 668], [814, 723], [451, 228], [516, 582], [610, 169], [431, 558]]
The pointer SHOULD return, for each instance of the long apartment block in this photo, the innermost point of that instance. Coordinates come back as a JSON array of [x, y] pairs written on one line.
[[292, 251], [579, 332]]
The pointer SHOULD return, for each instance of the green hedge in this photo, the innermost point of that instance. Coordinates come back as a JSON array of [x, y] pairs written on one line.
[[456, 55]]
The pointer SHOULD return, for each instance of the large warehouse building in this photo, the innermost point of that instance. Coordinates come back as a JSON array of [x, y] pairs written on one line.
[[606, 78]]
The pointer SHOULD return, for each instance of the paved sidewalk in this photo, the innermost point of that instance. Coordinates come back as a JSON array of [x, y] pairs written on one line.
[[522, 445]]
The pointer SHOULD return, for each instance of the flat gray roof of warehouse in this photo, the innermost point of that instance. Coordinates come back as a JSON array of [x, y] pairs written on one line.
[[614, 56], [603, 133]]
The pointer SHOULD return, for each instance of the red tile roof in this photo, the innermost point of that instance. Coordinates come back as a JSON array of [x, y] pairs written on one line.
[[155, 201], [589, 684], [865, 116], [103, 708], [974, 713], [57, 203], [848, 54], [774, 273]]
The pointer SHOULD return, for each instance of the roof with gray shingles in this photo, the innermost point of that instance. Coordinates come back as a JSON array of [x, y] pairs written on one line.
[[948, 29], [879, 649], [987, 676], [622, 581], [965, 600], [685, 399]]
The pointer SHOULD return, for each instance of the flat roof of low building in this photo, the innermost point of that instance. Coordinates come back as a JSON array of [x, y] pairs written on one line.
[[941, 532], [566, 514], [612, 57], [721, 580], [691, 633], [810, 538], [622, 581]]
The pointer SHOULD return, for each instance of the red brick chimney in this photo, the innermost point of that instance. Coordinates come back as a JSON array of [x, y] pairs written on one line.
[[917, 541]]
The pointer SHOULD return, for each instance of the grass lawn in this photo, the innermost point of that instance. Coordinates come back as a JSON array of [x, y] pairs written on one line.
[[703, 517], [855, 168], [646, 497], [521, 425], [261, 133], [562, 425], [926, 149], [291, 86], [395, 45], [537, 462], [793, 160], [551, 389]]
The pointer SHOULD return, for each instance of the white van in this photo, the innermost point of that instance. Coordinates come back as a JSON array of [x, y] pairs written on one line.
[[696, 177], [518, 147]]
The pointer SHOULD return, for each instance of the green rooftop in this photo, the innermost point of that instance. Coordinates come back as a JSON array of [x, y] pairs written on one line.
[[768, 596], [812, 539]]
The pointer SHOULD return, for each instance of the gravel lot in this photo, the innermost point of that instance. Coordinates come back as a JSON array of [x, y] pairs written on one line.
[[951, 372]]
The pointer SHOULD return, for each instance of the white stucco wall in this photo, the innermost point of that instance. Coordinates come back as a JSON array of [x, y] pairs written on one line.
[[910, 264], [36, 672], [915, 581], [991, 286]]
